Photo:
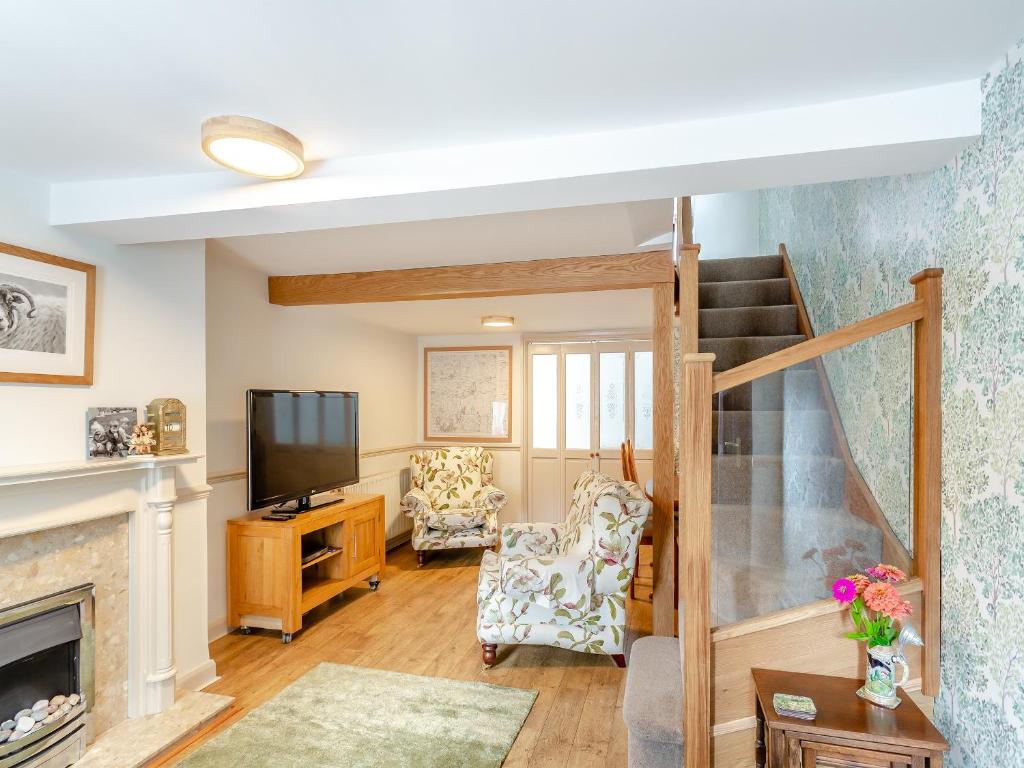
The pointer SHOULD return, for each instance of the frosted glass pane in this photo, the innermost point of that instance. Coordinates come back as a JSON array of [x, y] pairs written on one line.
[[613, 399], [577, 402], [643, 406], [545, 401]]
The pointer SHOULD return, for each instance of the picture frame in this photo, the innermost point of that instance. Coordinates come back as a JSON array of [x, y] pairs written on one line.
[[109, 430], [47, 317], [467, 394]]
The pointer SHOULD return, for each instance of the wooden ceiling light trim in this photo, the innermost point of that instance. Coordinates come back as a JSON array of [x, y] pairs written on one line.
[[470, 281]]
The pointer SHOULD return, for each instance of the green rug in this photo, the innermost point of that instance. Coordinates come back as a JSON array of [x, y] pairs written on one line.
[[353, 717]]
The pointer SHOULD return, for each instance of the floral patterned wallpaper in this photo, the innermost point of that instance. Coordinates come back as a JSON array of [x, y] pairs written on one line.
[[853, 246]]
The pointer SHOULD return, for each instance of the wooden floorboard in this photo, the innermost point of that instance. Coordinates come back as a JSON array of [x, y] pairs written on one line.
[[422, 621]]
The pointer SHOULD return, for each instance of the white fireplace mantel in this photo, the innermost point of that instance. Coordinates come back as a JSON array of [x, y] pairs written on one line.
[[37, 497]]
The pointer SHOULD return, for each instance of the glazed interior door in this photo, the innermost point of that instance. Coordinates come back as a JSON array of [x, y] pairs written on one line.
[[585, 398]]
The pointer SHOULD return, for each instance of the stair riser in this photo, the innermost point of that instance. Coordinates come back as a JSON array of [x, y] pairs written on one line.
[[734, 351], [763, 433], [751, 293], [794, 482], [752, 268], [748, 321], [790, 390]]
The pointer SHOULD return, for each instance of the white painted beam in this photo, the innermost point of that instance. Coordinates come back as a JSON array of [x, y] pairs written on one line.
[[892, 133]]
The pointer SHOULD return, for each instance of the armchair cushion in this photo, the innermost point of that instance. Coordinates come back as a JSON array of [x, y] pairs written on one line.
[[415, 503], [462, 520], [528, 538], [550, 582], [489, 497]]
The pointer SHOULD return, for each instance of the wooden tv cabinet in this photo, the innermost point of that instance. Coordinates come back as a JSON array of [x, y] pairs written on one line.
[[269, 586]]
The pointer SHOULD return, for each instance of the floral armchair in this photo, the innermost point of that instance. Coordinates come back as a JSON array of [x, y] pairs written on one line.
[[452, 502], [565, 585]]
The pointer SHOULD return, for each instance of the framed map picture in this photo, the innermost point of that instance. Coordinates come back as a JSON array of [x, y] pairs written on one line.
[[467, 394], [47, 304]]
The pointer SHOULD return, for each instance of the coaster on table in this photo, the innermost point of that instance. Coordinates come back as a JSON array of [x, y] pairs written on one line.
[[800, 707]]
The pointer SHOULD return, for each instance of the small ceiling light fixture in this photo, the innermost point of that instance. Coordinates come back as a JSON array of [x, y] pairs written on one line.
[[252, 147], [497, 321]]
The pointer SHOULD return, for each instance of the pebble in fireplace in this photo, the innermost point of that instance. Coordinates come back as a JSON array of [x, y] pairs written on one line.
[[42, 712]]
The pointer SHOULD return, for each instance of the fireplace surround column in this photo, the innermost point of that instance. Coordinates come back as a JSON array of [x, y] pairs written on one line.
[[152, 532]]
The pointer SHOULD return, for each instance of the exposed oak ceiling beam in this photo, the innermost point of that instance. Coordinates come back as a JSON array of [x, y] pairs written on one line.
[[470, 281]]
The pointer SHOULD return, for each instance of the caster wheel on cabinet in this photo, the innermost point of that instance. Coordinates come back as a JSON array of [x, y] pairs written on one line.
[[374, 585], [245, 630], [286, 637]]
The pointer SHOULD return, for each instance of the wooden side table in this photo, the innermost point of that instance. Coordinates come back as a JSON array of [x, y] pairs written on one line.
[[848, 731]]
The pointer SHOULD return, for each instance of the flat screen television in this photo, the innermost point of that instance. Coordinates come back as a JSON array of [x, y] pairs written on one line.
[[300, 444]]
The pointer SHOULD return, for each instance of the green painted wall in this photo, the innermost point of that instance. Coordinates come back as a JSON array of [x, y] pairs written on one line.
[[853, 246]]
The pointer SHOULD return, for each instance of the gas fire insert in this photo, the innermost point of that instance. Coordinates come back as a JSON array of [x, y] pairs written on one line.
[[47, 652]]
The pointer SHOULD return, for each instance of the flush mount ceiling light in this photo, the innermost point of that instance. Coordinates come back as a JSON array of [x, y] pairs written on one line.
[[497, 321], [252, 147]]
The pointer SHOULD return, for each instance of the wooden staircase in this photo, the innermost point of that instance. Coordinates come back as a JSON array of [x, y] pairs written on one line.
[[764, 461]]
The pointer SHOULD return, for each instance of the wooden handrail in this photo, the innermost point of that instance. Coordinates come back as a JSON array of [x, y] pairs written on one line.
[[820, 345], [695, 555]]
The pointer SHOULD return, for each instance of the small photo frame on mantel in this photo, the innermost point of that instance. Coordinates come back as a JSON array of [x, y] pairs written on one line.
[[47, 314], [467, 394], [109, 431]]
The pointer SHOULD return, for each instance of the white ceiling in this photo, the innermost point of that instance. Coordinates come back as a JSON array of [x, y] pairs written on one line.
[[563, 312], [546, 234], [118, 88]]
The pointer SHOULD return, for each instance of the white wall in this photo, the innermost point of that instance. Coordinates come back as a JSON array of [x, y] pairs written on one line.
[[254, 344], [508, 468], [149, 343], [726, 225]]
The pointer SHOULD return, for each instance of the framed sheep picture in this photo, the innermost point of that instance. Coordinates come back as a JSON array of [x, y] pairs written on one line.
[[47, 314]]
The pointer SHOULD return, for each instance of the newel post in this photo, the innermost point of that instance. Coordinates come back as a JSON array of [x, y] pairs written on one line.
[[663, 608], [695, 555], [928, 467]]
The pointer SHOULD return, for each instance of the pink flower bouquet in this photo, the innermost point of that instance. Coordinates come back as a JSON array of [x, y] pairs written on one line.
[[875, 603]]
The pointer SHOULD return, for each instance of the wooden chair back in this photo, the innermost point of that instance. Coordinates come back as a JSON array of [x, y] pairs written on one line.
[[629, 471]]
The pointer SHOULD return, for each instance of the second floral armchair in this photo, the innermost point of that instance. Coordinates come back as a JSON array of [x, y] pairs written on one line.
[[453, 502], [565, 584]]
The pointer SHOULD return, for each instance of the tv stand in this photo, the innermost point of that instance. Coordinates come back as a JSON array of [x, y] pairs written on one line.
[[268, 584]]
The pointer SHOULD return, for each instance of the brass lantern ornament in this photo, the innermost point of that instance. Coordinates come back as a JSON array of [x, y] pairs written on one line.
[[167, 415]]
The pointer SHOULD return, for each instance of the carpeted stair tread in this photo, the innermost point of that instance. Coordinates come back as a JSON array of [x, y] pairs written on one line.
[[766, 433], [748, 321], [732, 351], [790, 480], [742, 269], [764, 534], [743, 293], [791, 389]]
